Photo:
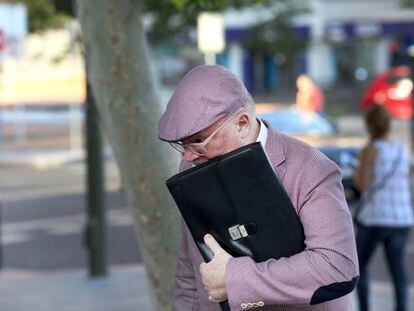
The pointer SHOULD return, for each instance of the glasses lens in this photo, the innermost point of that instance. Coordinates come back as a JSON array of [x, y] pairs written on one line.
[[198, 150], [177, 146]]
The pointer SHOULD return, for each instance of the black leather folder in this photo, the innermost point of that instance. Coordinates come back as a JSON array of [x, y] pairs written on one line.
[[239, 199]]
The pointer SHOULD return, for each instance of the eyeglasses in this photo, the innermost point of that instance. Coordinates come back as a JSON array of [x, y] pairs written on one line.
[[198, 149]]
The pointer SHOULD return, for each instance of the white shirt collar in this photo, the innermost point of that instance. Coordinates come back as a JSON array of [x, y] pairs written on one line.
[[262, 133]]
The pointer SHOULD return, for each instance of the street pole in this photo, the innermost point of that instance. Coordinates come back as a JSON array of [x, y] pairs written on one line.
[[1, 236], [96, 225], [209, 58]]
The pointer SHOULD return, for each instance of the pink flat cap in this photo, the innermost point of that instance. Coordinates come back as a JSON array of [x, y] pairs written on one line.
[[205, 95]]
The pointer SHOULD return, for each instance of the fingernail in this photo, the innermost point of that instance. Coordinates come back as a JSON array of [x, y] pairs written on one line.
[[208, 236]]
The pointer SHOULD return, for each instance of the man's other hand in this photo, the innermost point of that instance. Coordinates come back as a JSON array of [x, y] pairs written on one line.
[[213, 273]]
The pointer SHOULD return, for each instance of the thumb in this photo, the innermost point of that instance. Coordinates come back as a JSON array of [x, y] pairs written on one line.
[[212, 244]]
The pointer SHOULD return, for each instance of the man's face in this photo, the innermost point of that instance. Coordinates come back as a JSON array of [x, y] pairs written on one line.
[[228, 138]]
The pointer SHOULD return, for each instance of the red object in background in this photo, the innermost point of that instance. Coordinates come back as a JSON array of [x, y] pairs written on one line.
[[392, 89], [3, 40]]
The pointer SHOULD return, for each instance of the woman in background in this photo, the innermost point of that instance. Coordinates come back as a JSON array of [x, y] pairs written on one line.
[[386, 215]]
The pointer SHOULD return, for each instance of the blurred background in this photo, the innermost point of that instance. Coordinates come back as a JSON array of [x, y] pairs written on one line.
[[312, 68]]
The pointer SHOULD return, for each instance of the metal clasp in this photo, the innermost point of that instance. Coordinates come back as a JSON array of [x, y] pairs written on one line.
[[237, 232]]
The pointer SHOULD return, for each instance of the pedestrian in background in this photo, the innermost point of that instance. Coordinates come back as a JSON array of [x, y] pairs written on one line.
[[309, 96], [386, 215]]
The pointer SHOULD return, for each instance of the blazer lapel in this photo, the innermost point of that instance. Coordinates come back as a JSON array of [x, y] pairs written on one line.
[[275, 150]]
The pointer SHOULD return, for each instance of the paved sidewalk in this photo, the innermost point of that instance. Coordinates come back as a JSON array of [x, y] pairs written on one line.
[[125, 289]]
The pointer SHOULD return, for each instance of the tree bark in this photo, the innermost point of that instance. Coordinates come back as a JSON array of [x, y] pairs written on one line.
[[119, 70]]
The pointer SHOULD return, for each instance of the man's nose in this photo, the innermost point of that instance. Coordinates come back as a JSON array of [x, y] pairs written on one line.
[[189, 156]]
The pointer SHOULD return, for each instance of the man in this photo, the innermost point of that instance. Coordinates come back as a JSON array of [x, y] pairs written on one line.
[[211, 113]]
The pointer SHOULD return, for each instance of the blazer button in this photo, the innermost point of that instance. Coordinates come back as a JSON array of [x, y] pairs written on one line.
[[243, 305], [260, 303]]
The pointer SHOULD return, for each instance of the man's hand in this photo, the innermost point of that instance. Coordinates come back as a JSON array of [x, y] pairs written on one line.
[[213, 273]]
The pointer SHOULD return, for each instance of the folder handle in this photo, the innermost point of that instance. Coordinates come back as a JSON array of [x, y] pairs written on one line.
[[225, 305]]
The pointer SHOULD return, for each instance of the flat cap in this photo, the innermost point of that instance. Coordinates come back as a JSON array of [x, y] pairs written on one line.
[[205, 95]]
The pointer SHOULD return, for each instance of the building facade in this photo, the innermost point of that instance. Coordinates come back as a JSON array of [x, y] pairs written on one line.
[[347, 41]]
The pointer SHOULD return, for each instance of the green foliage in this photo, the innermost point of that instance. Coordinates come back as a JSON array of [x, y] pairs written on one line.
[[276, 35], [408, 4], [65, 6], [202, 5], [176, 18], [43, 15], [173, 20]]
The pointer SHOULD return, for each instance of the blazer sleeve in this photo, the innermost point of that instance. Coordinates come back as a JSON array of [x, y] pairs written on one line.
[[328, 267], [184, 291]]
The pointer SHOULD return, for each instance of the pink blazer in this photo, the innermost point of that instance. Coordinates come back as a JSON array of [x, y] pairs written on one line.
[[319, 278]]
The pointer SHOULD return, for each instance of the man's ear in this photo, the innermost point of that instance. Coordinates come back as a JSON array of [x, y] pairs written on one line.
[[244, 125]]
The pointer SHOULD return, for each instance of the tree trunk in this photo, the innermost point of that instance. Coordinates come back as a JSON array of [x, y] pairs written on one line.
[[129, 106]]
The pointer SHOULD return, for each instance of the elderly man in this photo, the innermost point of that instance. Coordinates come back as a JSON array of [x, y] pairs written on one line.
[[211, 113]]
